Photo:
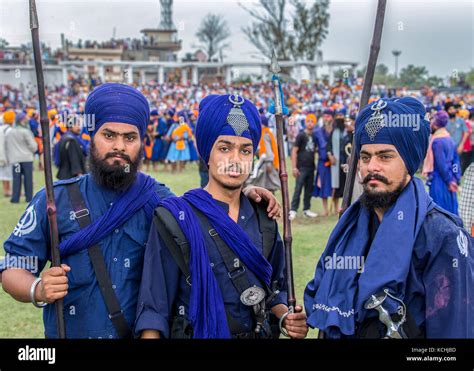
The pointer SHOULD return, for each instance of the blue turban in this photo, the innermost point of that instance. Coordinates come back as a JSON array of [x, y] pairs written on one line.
[[117, 103], [218, 116], [403, 125]]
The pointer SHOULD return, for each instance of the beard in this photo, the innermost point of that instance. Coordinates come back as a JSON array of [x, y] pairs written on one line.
[[452, 115], [380, 200], [117, 176]]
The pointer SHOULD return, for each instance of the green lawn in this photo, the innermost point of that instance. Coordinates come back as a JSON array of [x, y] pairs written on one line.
[[309, 239]]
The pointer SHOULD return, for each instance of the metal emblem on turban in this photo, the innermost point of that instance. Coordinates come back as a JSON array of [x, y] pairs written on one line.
[[236, 117], [376, 121]]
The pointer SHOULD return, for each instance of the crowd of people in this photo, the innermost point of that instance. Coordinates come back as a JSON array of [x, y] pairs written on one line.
[[318, 136], [138, 261]]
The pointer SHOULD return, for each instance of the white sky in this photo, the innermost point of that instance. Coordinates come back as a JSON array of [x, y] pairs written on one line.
[[434, 33]]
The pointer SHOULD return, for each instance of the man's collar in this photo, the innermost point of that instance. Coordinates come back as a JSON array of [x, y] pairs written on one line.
[[246, 209]]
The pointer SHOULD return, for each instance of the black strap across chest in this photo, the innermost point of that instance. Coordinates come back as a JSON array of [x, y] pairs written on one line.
[[98, 263], [178, 246]]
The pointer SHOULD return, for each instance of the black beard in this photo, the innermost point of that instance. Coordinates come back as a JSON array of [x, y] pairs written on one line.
[[452, 115], [116, 176], [380, 200]]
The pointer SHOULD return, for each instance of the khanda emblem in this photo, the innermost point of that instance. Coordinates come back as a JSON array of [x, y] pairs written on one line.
[[376, 121], [27, 223], [394, 329], [236, 117]]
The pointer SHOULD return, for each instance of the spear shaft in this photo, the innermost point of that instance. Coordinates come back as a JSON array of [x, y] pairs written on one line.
[[368, 79], [287, 235], [48, 175]]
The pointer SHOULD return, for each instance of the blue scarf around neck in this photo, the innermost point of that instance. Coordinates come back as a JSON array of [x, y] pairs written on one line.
[[141, 194], [206, 306], [334, 299]]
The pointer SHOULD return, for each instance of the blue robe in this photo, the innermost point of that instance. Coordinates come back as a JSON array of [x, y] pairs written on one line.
[[321, 138], [440, 282], [85, 313], [164, 292], [193, 154], [446, 169], [160, 148]]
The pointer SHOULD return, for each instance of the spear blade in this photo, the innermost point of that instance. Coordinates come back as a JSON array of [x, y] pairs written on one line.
[[274, 66]]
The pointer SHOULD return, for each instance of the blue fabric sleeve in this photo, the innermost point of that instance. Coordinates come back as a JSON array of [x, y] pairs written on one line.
[[448, 281], [158, 288], [277, 260], [30, 238]]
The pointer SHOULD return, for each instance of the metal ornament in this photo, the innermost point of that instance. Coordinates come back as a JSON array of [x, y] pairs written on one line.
[[393, 328], [236, 117], [252, 296], [236, 100], [377, 120]]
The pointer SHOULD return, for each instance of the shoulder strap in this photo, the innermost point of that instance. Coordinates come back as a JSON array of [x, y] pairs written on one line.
[[268, 227], [174, 239], [95, 254], [235, 268]]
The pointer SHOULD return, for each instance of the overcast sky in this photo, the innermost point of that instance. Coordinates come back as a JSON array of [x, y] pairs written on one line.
[[434, 33]]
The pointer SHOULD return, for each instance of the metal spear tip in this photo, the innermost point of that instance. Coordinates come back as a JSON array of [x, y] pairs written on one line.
[[33, 15], [274, 67]]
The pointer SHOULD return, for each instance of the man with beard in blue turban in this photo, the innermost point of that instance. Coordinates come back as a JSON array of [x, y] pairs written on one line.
[[214, 262], [103, 219], [396, 264]]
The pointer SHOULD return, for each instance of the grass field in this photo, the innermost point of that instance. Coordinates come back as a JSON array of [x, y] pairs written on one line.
[[309, 239]]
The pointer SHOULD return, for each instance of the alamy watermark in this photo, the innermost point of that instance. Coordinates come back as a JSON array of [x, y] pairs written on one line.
[[344, 262], [402, 120], [29, 263], [84, 120]]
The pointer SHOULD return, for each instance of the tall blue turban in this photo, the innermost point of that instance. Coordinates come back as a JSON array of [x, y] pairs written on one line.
[[402, 123], [226, 115], [117, 103]]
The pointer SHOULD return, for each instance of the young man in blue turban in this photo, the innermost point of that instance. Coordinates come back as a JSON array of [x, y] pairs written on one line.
[[103, 220], [394, 250], [217, 269]]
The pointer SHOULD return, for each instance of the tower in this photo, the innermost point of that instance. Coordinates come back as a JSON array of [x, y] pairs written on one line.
[[166, 22]]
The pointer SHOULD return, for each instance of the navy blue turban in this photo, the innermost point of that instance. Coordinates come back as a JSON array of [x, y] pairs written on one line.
[[219, 116], [403, 125], [117, 103]]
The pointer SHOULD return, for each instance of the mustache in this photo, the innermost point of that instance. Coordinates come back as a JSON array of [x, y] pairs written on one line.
[[378, 177], [234, 167], [118, 154]]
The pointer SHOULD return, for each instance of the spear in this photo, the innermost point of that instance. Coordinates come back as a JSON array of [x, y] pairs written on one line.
[[368, 79], [48, 177], [287, 236]]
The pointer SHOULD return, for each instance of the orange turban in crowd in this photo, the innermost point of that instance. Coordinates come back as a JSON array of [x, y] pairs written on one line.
[[312, 117], [464, 113], [9, 117], [30, 112], [52, 113]]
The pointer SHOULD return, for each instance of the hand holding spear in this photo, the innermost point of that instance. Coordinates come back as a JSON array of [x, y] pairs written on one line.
[[48, 176], [287, 236]]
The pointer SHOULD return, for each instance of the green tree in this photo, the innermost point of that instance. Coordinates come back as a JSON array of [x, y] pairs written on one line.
[[295, 29], [212, 33], [413, 77], [3, 43]]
